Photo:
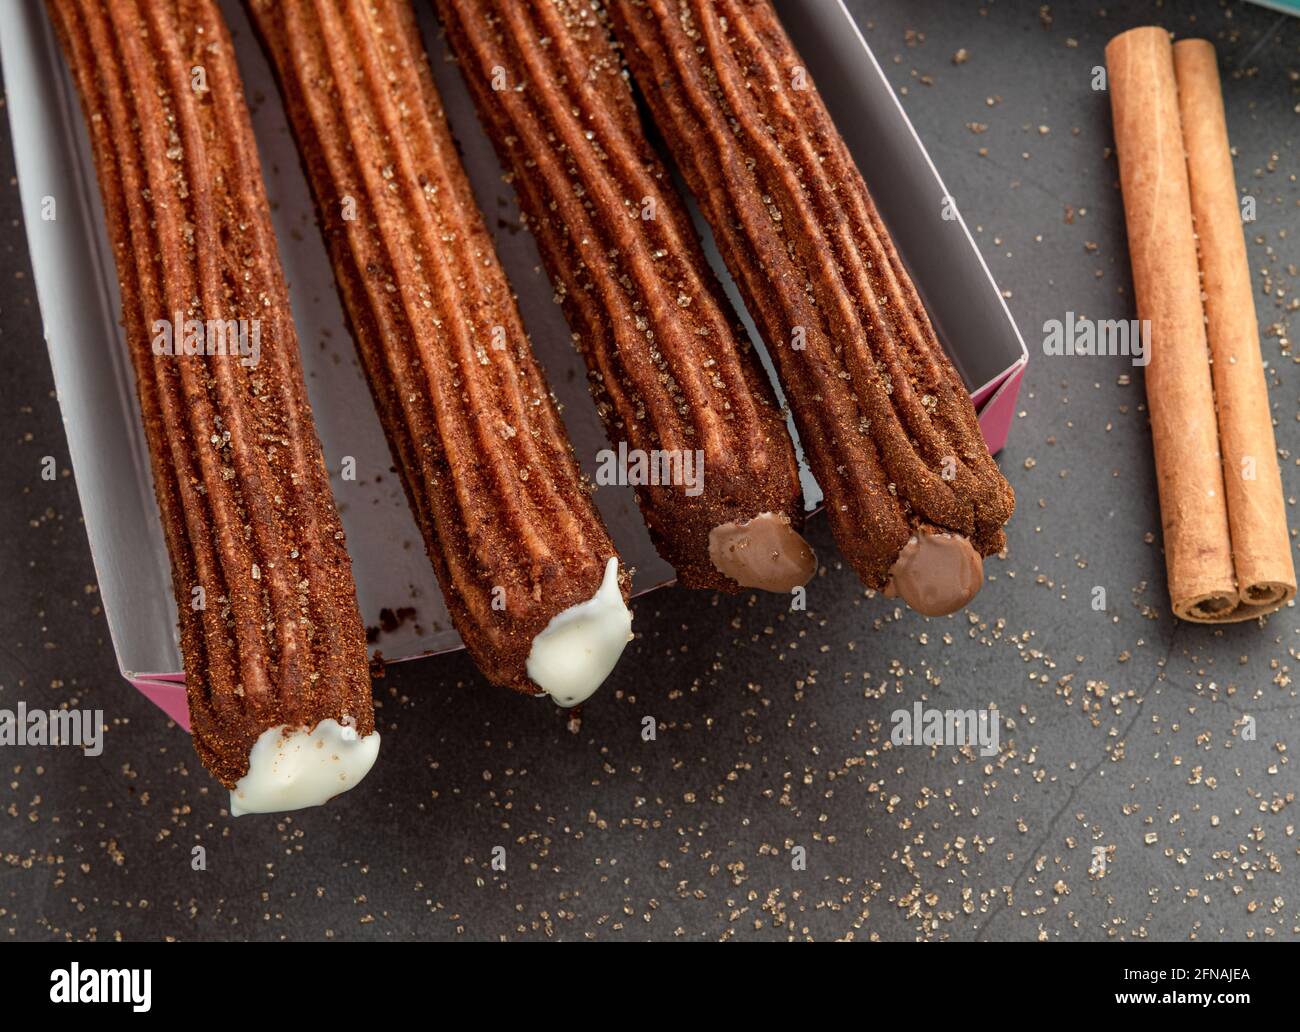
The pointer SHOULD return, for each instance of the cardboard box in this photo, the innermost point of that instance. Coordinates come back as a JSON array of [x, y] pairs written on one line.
[[77, 287]]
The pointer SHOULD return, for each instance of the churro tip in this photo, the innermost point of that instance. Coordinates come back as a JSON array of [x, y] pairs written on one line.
[[576, 651], [292, 770], [765, 552], [936, 574]]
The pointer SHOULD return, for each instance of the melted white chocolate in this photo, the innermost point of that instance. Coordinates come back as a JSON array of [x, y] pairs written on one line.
[[580, 646], [290, 771]]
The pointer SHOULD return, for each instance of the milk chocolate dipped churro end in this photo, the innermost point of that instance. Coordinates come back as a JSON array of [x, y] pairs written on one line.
[[764, 552], [527, 568], [936, 573], [673, 377], [913, 495], [275, 657]]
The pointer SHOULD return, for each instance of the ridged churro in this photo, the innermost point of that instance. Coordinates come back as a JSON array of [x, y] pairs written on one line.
[[669, 367], [913, 495], [275, 656], [528, 570]]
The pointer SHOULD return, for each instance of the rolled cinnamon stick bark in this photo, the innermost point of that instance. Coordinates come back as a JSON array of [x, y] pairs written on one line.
[[1261, 546], [1180, 398]]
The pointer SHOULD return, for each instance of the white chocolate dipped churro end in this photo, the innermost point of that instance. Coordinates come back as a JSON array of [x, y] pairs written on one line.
[[579, 647], [936, 574], [765, 552], [297, 769]]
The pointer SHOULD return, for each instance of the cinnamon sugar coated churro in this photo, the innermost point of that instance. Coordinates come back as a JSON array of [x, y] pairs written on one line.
[[275, 658], [913, 495], [528, 571], [669, 367]]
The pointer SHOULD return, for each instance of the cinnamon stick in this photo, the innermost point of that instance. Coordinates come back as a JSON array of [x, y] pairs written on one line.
[[1261, 546], [1180, 398]]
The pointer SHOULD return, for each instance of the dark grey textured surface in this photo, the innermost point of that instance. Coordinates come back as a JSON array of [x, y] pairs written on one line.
[[1119, 727]]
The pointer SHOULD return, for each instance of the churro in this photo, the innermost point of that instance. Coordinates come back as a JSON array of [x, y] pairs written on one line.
[[526, 566], [669, 367], [275, 657]]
